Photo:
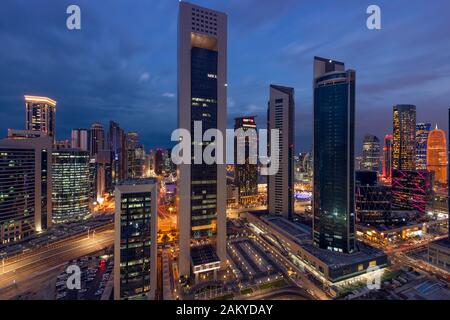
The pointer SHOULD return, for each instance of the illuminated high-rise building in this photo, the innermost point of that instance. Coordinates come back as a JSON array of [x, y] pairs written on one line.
[[80, 139], [118, 149], [387, 157], [371, 153], [135, 156], [135, 243], [422, 132], [246, 174], [96, 139], [71, 185], [40, 114], [334, 156], [437, 155], [404, 137], [25, 184], [281, 117], [202, 97]]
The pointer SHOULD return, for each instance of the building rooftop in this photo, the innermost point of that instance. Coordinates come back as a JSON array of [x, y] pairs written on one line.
[[202, 255], [137, 182], [336, 260]]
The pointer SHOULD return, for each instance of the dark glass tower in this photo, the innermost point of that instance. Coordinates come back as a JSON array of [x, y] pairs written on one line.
[[246, 174], [334, 136]]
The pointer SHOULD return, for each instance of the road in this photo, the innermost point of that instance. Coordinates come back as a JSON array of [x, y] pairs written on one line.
[[18, 275]]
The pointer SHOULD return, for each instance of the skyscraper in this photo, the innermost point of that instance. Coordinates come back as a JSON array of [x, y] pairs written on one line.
[[135, 156], [334, 159], [422, 132], [118, 149], [25, 185], [246, 174], [371, 153], [281, 116], [71, 185], [135, 244], [437, 155], [80, 139], [404, 142], [97, 139], [40, 114], [202, 97], [387, 157]]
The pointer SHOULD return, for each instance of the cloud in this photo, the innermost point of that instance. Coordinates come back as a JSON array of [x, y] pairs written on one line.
[[168, 95], [144, 77]]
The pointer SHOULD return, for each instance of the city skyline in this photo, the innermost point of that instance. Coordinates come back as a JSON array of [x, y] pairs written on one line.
[[137, 78]]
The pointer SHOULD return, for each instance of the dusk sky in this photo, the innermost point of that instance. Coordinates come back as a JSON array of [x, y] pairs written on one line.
[[122, 65]]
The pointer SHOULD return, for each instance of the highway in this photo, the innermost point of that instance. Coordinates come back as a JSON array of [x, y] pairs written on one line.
[[18, 275]]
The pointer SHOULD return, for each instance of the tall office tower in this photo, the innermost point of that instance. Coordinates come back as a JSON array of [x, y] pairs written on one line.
[[96, 139], [40, 114], [448, 173], [246, 174], [371, 153], [80, 139], [135, 156], [422, 132], [387, 157], [334, 156], [135, 243], [202, 97], [118, 149], [281, 116], [437, 160], [404, 142], [25, 184], [71, 185]]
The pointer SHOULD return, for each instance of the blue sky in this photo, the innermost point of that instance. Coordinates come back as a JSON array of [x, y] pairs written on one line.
[[122, 64]]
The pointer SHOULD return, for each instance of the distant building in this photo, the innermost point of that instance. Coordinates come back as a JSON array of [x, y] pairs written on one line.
[[136, 156], [387, 157], [334, 174], [404, 138], [281, 116], [135, 244], [96, 139], [373, 200], [26, 185], [80, 139], [118, 148], [41, 115], [422, 132], [246, 174], [371, 153], [437, 160], [71, 185], [411, 190]]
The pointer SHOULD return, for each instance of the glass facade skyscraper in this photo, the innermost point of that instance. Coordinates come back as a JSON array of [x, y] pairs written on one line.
[[387, 157], [437, 155], [202, 98], [334, 175], [422, 132], [135, 247], [71, 185], [371, 153], [404, 142], [246, 174]]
